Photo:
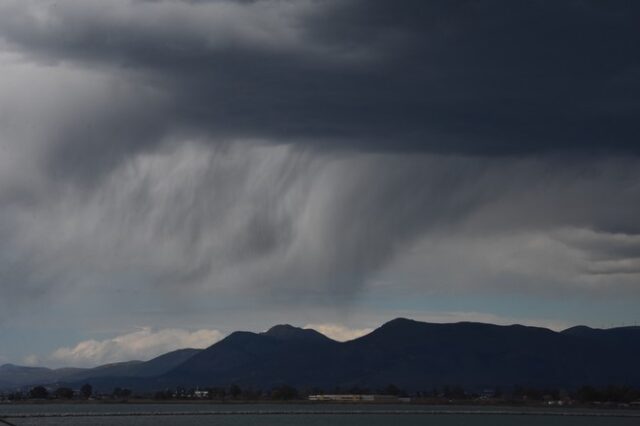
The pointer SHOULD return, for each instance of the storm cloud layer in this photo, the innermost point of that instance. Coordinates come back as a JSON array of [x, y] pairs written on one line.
[[492, 77], [307, 153]]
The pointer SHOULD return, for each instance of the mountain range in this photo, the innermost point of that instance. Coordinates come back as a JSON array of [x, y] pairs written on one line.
[[409, 354]]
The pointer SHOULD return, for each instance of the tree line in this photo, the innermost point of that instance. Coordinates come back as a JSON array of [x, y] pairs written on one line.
[[284, 392]]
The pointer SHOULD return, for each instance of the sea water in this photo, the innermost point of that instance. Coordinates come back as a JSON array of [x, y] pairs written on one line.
[[306, 415]]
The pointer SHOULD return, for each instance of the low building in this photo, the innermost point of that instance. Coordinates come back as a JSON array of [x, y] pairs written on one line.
[[201, 393], [356, 398]]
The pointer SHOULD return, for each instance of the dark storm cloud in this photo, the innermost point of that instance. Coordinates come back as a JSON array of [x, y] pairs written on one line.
[[489, 78]]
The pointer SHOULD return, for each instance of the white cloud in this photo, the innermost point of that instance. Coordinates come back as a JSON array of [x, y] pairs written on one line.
[[339, 332], [31, 360], [143, 344]]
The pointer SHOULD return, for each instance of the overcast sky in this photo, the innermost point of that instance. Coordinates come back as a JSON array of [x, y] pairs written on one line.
[[172, 171]]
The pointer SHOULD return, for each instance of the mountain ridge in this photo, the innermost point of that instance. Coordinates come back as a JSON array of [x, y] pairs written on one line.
[[414, 354], [411, 354]]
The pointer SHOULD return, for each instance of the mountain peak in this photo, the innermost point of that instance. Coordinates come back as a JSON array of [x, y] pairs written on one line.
[[289, 332], [579, 330], [400, 321]]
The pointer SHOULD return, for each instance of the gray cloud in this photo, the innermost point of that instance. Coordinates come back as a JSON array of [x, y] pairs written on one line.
[[291, 224], [259, 217]]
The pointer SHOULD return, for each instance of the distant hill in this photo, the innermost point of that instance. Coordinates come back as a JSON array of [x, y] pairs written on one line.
[[409, 354], [15, 376], [12, 376], [137, 369]]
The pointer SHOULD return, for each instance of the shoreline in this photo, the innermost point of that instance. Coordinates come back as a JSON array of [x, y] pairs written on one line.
[[479, 410], [541, 413], [298, 402]]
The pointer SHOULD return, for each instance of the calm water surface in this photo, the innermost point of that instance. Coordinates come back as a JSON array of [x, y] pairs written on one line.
[[299, 414]]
